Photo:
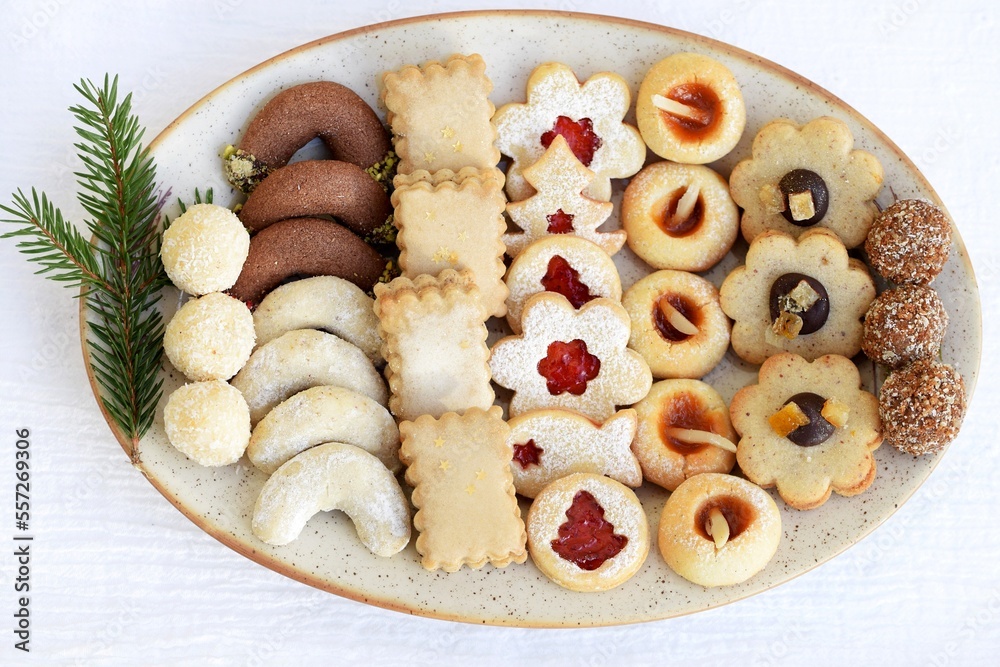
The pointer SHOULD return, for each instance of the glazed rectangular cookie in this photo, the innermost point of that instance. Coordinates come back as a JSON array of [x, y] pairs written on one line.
[[459, 467], [434, 344], [449, 220]]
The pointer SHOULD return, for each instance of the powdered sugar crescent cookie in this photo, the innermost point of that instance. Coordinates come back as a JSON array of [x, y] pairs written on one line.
[[689, 109], [805, 296], [801, 177], [324, 414], [679, 216], [459, 467], [719, 530], [549, 444], [571, 266], [434, 336], [329, 477], [589, 114], [302, 359], [683, 431], [587, 532], [569, 358], [454, 224], [559, 205], [807, 428], [440, 115], [677, 324], [327, 303]]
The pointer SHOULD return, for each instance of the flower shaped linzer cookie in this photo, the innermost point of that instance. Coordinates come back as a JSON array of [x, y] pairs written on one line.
[[588, 114], [569, 358], [805, 296], [802, 177], [807, 428]]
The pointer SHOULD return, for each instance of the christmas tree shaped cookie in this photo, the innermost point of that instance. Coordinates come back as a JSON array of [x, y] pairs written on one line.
[[559, 205]]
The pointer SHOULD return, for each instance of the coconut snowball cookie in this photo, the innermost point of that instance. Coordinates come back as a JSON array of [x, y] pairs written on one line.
[[718, 530], [684, 430], [587, 532], [210, 338], [689, 109], [679, 216], [204, 249], [904, 324], [209, 422], [922, 407], [678, 326], [909, 242]]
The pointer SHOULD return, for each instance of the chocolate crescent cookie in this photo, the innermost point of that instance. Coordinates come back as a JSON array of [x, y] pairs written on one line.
[[305, 247], [318, 187], [336, 114]]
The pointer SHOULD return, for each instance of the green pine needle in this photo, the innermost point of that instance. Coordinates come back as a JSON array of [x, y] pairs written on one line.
[[120, 270]]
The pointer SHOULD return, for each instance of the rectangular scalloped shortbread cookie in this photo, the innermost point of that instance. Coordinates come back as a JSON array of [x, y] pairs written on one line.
[[434, 343], [440, 115], [463, 489], [449, 220]]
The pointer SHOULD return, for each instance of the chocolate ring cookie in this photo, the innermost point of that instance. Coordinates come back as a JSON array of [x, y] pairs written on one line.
[[318, 187], [336, 114], [305, 247]]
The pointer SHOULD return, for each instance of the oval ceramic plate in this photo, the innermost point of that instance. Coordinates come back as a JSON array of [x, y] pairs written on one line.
[[328, 554]]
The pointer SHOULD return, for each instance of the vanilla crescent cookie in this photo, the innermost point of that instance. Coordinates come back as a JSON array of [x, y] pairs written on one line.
[[569, 358], [327, 303], [549, 444], [677, 323], [587, 532], [559, 205], [571, 266], [324, 414], [679, 216], [329, 477], [807, 428], [590, 112], [805, 296], [683, 431], [459, 468], [808, 176]]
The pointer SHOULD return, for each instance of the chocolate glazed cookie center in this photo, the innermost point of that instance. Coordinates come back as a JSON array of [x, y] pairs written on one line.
[[818, 430], [788, 297]]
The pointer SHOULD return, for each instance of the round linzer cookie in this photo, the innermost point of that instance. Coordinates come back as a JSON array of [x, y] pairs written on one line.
[[292, 118], [804, 177], [587, 532], [689, 109], [679, 216], [718, 530]]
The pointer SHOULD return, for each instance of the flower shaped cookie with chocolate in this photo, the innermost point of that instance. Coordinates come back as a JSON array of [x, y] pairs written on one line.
[[805, 296], [569, 358], [807, 428], [588, 114], [802, 177]]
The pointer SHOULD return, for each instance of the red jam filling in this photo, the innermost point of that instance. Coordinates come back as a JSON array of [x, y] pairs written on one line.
[[579, 135], [528, 454], [587, 539], [568, 367], [564, 279], [666, 329], [560, 222]]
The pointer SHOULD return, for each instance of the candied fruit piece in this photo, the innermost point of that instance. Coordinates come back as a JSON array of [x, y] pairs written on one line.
[[787, 419], [835, 412]]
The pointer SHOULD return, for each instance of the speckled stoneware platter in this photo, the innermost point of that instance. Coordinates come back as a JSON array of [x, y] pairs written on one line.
[[328, 554]]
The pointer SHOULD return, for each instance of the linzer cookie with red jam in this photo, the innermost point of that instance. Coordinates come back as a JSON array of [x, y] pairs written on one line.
[[805, 296], [804, 177], [589, 115], [587, 532], [459, 468], [549, 444], [807, 428], [569, 358], [677, 324], [571, 266], [689, 109], [559, 205], [684, 430]]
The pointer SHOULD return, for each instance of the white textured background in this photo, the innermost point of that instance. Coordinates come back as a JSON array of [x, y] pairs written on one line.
[[120, 577]]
